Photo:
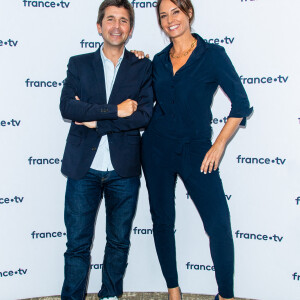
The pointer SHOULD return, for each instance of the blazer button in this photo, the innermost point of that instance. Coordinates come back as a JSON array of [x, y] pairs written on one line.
[[94, 149]]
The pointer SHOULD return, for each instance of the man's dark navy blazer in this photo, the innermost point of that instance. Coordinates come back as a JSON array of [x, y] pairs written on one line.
[[85, 79]]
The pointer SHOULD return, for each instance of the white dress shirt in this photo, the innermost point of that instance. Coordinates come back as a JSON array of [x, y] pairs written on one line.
[[102, 160]]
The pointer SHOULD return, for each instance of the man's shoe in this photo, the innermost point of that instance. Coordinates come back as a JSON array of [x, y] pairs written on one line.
[[109, 298]]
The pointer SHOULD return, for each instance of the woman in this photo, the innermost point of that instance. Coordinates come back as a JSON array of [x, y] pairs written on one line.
[[186, 75]]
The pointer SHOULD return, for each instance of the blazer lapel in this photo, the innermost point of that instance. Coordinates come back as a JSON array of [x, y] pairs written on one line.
[[121, 77], [100, 78]]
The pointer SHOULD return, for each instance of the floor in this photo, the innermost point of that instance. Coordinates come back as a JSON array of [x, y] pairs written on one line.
[[143, 296]]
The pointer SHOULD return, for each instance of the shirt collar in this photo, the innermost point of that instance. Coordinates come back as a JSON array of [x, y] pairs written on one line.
[[200, 45], [105, 59], [196, 54]]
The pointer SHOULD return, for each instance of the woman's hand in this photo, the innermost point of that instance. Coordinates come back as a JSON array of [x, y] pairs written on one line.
[[139, 54], [212, 158]]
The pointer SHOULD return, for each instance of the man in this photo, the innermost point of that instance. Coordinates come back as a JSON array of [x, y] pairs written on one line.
[[108, 96]]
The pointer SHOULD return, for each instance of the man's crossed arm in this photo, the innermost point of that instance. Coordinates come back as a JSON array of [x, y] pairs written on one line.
[[125, 109]]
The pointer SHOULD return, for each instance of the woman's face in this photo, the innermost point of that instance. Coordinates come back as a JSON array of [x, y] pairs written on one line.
[[174, 21]]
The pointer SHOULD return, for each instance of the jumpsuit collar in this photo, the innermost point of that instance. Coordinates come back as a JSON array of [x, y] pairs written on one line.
[[196, 54]]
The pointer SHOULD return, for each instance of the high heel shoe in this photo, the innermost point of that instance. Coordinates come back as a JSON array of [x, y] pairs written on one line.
[[217, 297], [180, 295]]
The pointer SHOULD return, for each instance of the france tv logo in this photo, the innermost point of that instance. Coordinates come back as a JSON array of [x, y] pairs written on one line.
[[9, 43], [143, 4], [46, 4]]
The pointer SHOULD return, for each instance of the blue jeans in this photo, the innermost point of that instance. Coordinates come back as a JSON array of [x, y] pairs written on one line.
[[81, 205]]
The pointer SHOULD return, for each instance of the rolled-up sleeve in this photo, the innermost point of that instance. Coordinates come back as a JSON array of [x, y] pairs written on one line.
[[229, 81]]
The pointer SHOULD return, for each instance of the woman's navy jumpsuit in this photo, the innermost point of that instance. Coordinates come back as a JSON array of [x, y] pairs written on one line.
[[175, 143]]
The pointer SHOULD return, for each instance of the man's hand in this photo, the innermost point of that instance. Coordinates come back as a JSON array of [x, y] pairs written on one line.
[[127, 108], [92, 124]]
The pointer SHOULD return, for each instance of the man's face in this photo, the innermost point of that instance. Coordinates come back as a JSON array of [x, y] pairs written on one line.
[[115, 28]]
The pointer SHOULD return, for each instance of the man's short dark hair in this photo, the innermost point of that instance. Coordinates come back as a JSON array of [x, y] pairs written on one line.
[[118, 3]]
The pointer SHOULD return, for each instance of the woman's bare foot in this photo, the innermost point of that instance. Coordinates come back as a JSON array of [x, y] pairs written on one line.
[[174, 294], [221, 298]]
